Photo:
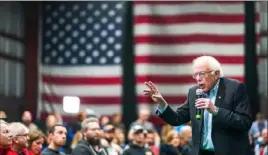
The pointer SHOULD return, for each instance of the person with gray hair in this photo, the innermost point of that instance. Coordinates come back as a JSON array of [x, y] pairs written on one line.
[[90, 144], [5, 137], [20, 139], [225, 118]]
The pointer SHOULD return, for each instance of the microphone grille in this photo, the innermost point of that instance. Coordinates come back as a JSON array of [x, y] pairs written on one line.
[[199, 92]]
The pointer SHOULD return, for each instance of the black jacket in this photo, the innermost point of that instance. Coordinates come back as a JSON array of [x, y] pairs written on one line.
[[137, 150], [229, 127], [84, 148]]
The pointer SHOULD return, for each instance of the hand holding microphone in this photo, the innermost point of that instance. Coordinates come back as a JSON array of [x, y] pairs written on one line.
[[203, 103]]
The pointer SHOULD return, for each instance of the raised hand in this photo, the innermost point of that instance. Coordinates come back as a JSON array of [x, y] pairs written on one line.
[[153, 92]]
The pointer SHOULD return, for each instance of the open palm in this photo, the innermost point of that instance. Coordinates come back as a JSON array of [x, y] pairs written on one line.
[[153, 92]]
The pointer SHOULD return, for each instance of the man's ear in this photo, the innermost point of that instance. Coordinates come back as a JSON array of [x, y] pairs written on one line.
[[15, 140]]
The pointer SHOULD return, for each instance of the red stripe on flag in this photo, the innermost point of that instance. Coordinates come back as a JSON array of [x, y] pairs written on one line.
[[187, 2], [81, 80], [181, 79], [189, 18], [184, 39], [186, 59]]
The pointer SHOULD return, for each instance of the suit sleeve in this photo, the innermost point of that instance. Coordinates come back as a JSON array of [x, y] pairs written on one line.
[[178, 117], [240, 118]]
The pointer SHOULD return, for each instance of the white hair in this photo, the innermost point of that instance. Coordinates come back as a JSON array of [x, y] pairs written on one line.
[[212, 63], [2, 122], [85, 122], [17, 128], [185, 129]]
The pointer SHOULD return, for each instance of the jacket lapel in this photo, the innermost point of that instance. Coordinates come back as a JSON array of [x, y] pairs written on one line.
[[220, 93]]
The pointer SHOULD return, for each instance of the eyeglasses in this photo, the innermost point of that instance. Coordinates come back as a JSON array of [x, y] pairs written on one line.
[[202, 74]]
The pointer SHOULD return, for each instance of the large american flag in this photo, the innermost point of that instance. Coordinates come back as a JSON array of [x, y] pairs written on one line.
[[81, 49], [81, 55]]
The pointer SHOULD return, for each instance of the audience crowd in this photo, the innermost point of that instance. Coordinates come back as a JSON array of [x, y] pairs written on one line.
[[91, 134]]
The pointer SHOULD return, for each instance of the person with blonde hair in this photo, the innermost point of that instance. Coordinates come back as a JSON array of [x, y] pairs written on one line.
[[5, 137], [36, 141], [225, 118], [171, 143]]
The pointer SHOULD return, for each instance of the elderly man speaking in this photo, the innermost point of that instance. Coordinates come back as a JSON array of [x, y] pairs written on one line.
[[225, 110]]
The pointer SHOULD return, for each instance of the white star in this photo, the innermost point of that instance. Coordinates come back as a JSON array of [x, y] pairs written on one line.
[[96, 40], [75, 34], [118, 19], [89, 46], [117, 46], [54, 40], [75, 20], [110, 53], [55, 27], [82, 53], [75, 7], [104, 6], [95, 53], [104, 33], [97, 13], [88, 60], [111, 26], [67, 54], [97, 26], [74, 47], [83, 13], [111, 13], [82, 40], [47, 59], [68, 40], [117, 60], [74, 60], [110, 40], [68, 27], [103, 47], [54, 53], [103, 60], [118, 33], [90, 6], [61, 47], [60, 60], [89, 33], [83, 27]]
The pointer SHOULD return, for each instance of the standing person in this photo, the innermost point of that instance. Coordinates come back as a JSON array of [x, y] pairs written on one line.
[[225, 112], [57, 138]]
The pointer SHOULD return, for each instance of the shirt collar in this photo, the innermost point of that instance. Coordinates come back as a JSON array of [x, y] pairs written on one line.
[[215, 88]]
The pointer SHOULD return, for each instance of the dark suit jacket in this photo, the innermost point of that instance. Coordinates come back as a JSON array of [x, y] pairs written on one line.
[[229, 127]]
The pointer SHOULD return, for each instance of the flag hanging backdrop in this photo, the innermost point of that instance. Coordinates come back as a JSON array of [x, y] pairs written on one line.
[[81, 55], [169, 35], [81, 49]]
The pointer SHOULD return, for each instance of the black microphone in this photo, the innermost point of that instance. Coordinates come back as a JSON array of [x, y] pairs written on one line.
[[199, 94]]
